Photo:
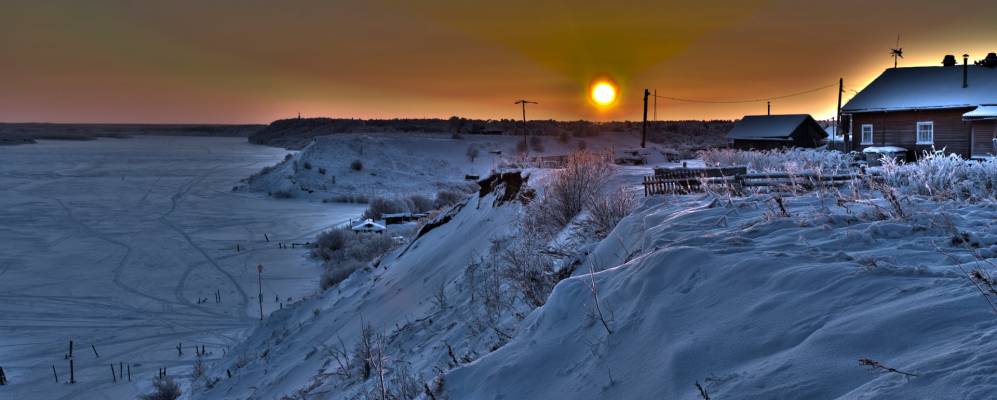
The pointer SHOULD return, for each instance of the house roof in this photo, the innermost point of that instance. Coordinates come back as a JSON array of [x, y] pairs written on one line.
[[917, 88], [769, 127], [982, 112]]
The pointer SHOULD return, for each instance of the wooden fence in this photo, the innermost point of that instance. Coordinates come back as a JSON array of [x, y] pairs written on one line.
[[688, 180]]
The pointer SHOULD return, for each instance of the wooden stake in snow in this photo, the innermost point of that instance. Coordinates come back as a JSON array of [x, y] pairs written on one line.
[[114, 376], [259, 272], [55, 374], [129, 372], [94, 351], [266, 237], [72, 372]]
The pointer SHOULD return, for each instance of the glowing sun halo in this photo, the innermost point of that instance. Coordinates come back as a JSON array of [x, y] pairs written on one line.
[[603, 93]]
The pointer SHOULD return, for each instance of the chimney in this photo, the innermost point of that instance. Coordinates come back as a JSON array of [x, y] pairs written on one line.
[[949, 60], [965, 71]]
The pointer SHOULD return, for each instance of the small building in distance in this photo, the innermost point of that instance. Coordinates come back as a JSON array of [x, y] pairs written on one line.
[[950, 107], [762, 132], [368, 226]]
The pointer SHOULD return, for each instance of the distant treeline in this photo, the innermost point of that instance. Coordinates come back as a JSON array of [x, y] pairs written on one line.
[[295, 133], [23, 133]]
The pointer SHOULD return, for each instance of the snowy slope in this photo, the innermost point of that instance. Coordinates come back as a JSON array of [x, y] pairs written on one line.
[[405, 164], [752, 305], [289, 353]]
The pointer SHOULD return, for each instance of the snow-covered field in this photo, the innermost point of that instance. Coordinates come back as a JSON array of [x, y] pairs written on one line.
[[112, 243]]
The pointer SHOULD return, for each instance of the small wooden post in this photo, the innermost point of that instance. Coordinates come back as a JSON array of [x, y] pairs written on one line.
[[228, 372], [259, 272], [129, 372], [267, 237], [72, 372], [180, 349], [121, 370], [94, 350], [55, 374], [70, 348], [114, 376]]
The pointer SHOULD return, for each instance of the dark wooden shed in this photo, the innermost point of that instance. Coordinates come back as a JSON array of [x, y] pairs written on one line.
[[761, 132]]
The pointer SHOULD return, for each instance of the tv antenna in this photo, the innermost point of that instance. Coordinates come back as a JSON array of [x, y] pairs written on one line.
[[897, 52]]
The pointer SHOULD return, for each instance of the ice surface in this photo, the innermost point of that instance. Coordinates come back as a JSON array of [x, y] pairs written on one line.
[[112, 242]]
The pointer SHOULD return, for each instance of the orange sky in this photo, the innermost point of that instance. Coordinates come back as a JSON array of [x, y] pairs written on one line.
[[256, 61]]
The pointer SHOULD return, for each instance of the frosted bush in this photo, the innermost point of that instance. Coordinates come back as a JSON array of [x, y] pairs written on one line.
[[943, 175], [781, 160]]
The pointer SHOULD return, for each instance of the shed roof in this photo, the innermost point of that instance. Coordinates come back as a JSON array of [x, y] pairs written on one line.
[[768, 127], [917, 88]]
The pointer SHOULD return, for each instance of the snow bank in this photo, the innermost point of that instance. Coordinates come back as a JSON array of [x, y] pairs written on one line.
[[751, 305]]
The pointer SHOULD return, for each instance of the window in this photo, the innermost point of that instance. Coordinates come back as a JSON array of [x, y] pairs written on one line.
[[926, 132], [866, 133]]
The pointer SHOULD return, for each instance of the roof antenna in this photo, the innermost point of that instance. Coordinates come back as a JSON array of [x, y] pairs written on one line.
[[897, 52]]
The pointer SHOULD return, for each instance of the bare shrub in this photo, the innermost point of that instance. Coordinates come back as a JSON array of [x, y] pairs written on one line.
[[282, 194], [472, 153], [163, 388], [379, 206], [347, 198], [567, 191], [332, 241], [363, 351], [525, 265], [876, 365], [778, 160], [419, 203], [522, 147], [446, 198], [606, 210], [537, 144], [337, 272], [370, 247], [356, 165]]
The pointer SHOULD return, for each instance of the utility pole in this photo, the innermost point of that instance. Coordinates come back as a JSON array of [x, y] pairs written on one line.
[[655, 105], [259, 274], [837, 127], [643, 130], [768, 105], [524, 103]]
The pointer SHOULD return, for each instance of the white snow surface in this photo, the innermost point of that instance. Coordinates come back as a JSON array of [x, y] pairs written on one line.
[[397, 164], [112, 242], [756, 306]]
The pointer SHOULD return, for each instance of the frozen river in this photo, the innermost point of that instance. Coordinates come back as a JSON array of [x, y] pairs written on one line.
[[122, 244]]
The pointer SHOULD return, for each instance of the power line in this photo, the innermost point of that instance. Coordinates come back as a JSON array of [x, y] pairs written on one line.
[[747, 100]]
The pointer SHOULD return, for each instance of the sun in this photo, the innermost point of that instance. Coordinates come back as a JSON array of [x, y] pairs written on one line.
[[603, 93]]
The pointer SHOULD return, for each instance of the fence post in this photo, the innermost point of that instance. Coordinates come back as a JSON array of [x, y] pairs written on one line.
[[55, 374], [114, 376], [72, 372]]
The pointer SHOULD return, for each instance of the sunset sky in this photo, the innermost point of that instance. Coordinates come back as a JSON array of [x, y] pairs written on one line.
[[256, 61]]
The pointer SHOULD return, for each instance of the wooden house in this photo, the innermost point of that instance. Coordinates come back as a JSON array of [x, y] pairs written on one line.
[[950, 107], [762, 132]]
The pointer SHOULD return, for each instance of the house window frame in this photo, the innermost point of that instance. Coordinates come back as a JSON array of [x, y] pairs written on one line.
[[917, 133], [871, 134]]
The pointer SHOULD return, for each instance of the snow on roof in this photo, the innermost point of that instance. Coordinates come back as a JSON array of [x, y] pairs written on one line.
[[926, 88], [369, 225], [982, 112], [767, 127]]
